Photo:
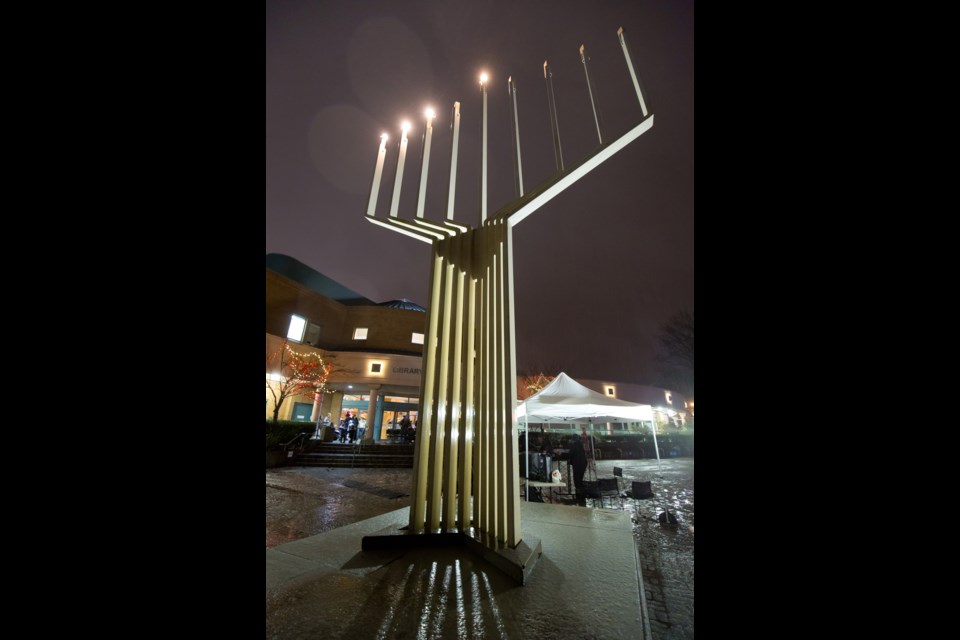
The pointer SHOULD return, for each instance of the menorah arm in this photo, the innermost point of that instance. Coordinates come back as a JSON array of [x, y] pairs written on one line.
[[433, 226], [408, 229], [519, 209]]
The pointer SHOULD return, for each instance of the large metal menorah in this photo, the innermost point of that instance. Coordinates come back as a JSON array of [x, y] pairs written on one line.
[[465, 471]]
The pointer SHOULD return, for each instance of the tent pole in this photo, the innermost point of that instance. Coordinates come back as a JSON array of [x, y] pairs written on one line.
[[526, 458], [653, 426], [593, 451]]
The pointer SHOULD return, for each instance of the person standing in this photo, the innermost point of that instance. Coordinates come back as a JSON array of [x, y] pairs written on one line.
[[588, 451], [352, 428], [361, 427], [578, 461]]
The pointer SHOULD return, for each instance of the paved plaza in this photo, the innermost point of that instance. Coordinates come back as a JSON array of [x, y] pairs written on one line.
[[305, 501]]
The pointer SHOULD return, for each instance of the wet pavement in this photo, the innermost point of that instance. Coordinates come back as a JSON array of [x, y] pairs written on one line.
[[304, 501]]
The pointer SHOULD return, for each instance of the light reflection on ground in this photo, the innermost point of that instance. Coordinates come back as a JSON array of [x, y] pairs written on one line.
[[305, 501]]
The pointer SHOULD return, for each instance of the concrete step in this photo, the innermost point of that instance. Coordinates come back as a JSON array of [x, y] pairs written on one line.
[[373, 464], [347, 465], [344, 459], [365, 449]]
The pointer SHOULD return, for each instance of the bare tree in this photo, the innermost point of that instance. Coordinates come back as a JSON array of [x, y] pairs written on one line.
[[294, 373], [527, 385], [531, 379]]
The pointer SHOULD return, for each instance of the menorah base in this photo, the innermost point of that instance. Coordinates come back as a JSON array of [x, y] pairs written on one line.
[[516, 562]]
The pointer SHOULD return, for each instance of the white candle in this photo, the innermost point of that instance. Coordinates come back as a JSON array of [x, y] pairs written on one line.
[[453, 159], [424, 168], [483, 156], [396, 183], [512, 90], [375, 188]]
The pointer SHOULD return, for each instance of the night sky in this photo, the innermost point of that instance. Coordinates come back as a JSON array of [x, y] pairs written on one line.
[[601, 266]]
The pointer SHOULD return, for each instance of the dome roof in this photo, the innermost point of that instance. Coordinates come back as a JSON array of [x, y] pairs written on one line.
[[403, 303]]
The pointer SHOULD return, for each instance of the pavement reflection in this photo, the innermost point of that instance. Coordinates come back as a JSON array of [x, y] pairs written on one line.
[[304, 501]]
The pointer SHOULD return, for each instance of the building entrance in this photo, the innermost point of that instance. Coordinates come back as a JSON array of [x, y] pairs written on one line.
[[390, 412], [393, 415]]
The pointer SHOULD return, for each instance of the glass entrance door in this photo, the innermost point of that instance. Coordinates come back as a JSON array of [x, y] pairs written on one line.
[[393, 415]]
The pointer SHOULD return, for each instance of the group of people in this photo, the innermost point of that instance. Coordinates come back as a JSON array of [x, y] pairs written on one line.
[[351, 428]]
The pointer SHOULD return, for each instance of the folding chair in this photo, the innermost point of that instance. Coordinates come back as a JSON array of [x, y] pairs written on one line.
[[609, 488], [641, 490], [618, 473]]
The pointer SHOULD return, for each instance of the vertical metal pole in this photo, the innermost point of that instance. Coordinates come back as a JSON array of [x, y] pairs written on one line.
[[425, 165], [483, 153], [526, 455], [515, 122], [468, 502], [554, 122], [441, 422], [454, 486], [656, 447], [483, 413], [489, 516], [593, 99], [512, 471], [421, 455], [455, 124], [496, 360], [633, 74], [399, 179], [593, 451], [375, 187]]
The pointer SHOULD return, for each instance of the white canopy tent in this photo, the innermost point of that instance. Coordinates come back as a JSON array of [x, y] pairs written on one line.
[[566, 401]]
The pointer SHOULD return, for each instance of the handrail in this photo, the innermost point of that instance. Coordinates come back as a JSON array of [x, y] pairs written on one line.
[[358, 445], [295, 438]]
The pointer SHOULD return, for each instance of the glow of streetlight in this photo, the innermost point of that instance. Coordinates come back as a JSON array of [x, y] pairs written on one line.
[[483, 77], [405, 126], [430, 113]]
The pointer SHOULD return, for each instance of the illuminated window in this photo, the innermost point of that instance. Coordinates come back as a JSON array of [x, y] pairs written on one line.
[[360, 333], [375, 367], [416, 338], [297, 326], [611, 391]]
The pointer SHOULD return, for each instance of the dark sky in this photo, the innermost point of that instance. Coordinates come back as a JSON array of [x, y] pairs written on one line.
[[600, 267]]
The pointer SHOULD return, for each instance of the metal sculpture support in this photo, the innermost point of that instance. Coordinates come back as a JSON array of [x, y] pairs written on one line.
[[465, 474]]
